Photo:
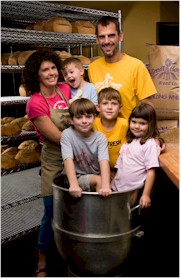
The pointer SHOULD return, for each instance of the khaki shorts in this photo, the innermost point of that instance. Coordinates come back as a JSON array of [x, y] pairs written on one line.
[[84, 182]]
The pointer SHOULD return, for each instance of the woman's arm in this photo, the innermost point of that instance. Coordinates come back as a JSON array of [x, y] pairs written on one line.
[[47, 129], [145, 200], [74, 188]]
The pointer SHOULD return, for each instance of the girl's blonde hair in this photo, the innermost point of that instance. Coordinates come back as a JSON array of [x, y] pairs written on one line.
[[148, 113]]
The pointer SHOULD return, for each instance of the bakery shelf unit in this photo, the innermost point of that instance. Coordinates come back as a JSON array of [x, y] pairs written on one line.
[[16, 15]]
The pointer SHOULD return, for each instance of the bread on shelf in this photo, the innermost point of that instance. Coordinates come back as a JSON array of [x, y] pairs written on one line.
[[83, 27], [28, 144], [13, 58], [85, 60], [58, 24], [24, 55]]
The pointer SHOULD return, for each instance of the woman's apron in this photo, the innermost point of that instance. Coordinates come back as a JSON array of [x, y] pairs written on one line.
[[51, 158]]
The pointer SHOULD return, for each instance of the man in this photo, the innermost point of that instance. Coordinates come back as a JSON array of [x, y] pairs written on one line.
[[118, 70]]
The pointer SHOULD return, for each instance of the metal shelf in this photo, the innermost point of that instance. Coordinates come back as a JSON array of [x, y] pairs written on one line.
[[33, 38], [31, 11]]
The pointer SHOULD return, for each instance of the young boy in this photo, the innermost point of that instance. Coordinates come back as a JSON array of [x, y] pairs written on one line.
[[73, 73], [85, 152], [110, 124]]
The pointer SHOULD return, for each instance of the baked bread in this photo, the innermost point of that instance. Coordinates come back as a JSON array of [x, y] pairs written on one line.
[[13, 58], [83, 27], [58, 24], [85, 60], [20, 121], [8, 160], [63, 54], [28, 156], [4, 147], [28, 144], [14, 127], [22, 91], [4, 58], [28, 126], [24, 56], [6, 120], [30, 26], [39, 26]]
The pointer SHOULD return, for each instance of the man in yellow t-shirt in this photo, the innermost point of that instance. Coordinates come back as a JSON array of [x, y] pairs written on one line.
[[118, 70], [108, 122]]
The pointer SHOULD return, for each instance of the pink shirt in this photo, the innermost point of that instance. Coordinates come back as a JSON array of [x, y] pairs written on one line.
[[133, 162], [37, 106]]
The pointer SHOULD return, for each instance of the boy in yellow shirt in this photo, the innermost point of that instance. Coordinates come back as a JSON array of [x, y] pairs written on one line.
[[110, 123]]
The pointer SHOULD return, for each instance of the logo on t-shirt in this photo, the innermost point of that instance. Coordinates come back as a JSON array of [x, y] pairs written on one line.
[[107, 82], [60, 104]]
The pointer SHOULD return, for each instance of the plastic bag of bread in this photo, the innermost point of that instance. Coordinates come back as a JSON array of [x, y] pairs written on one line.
[[8, 160], [28, 156], [28, 144], [24, 56], [7, 119], [13, 58], [58, 24], [83, 27], [28, 126]]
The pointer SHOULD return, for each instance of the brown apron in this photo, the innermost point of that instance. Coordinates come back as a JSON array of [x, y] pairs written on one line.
[[51, 158]]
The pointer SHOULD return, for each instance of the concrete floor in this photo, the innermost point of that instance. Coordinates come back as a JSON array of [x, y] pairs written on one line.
[[156, 254]]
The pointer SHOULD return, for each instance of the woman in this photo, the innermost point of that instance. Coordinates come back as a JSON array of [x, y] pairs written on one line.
[[40, 78]]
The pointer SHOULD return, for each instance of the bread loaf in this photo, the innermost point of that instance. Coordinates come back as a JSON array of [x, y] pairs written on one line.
[[28, 144], [63, 54], [6, 120], [8, 160], [30, 26], [14, 127], [28, 156], [83, 27], [10, 130], [13, 58], [39, 26], [85, 60], [4, 147], [19, 121], [28, 126], [22, 91], [58, 24], [4, 58], [24, 56]]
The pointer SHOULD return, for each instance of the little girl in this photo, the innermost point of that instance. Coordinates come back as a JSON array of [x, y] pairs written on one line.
[[139, 156]]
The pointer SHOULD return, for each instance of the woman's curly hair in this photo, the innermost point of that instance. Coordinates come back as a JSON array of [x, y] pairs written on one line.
[[30, 78]]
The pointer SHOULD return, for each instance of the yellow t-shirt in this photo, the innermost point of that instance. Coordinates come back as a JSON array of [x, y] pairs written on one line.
[[115, 138], [129, 76]]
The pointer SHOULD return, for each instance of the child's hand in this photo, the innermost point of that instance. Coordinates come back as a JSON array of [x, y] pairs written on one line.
[[145, 201], [75, 191], [105, 191]]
